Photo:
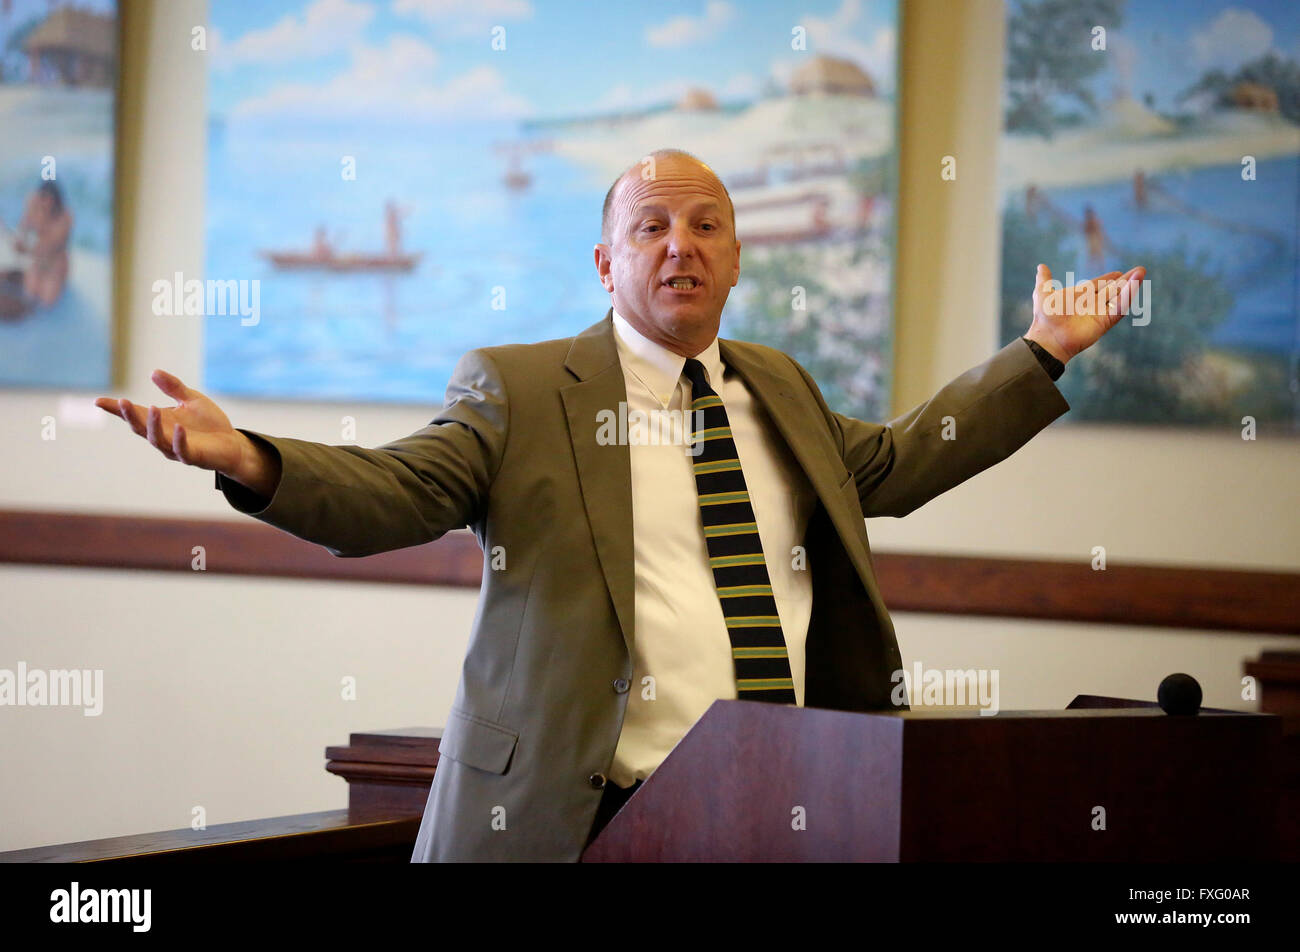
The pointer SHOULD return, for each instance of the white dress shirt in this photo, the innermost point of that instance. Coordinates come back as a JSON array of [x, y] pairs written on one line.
[[681, 658]]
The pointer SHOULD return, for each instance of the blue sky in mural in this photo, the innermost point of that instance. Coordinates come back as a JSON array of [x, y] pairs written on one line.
[[330, 47], [1161, 41]]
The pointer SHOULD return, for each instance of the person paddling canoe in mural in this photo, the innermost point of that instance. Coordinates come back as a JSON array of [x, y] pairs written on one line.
[[323, 256], [393, 216], [320, 245]]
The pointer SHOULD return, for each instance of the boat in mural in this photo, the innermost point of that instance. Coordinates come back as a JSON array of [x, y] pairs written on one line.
[[322, 256], [312, 261]]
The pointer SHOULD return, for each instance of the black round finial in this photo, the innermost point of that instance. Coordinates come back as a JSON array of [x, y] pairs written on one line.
[[1179, 694]]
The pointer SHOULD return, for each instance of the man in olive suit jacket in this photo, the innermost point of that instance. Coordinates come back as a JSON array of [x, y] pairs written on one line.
[[542, 728]]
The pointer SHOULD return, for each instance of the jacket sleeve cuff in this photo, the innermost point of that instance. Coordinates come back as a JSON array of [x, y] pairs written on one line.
[[1049, 363], [240, 496]]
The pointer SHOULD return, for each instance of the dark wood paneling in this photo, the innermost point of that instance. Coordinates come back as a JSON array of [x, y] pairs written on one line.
[[1278, 674], [243, 547], [331, 835], [1159, 595], [388, 772], [1156, 595]]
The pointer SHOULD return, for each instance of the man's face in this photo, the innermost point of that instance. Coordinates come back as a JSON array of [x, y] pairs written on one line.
[[676, 225]]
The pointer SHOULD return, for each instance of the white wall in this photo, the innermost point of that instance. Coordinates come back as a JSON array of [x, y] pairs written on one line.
[[223, 692]]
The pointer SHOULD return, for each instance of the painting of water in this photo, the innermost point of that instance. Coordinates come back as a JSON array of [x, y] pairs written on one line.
[[1164, 133], [411, 179]]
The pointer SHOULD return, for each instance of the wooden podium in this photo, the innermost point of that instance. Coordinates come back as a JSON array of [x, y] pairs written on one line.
[[765, 782]]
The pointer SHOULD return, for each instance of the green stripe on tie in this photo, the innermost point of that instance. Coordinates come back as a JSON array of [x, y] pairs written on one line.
[[717, 466], [729, 561], [717, 499], [759, 653], [731, 529], [743, 591], [754, 621], [765, 684]]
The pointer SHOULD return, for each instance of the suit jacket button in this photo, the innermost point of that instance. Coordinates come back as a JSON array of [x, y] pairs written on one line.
[[621, 685], [597, 781]]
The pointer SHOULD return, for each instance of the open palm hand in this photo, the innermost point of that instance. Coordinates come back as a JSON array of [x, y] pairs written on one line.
[[1070, 320]]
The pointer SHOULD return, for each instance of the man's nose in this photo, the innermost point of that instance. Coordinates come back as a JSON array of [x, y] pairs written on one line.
[[680, 241]]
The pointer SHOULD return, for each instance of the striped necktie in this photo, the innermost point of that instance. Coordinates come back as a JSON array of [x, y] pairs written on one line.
[[758, 648]]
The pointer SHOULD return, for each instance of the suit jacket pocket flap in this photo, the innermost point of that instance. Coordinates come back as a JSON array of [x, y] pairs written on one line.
[[476, 742]]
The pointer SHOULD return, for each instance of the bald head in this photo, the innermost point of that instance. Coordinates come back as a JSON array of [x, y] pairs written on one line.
[[659, 155]]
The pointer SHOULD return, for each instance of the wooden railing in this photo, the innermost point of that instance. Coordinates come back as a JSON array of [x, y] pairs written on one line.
[[1213, 599]]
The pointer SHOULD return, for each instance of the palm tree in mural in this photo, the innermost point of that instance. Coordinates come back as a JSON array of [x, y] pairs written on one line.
[[1046, 60]]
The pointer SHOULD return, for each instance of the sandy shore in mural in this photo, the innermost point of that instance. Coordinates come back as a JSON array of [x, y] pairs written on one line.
[[1133, 138], [736, 141]]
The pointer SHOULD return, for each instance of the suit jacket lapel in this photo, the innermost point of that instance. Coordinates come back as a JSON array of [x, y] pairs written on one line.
[[795, 423], [604, 472]]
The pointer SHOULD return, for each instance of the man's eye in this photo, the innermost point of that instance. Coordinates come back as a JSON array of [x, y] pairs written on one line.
[[709, 225]]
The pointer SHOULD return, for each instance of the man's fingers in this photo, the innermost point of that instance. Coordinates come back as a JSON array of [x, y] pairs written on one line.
[[133, 416], [1109, 297], [149, 424], [123, 410], [1110, 292], [171, 385], [1124, 297], [1119, 294], [1041, 279], [1043, 291], [1098, 283], [154, 432], [180, 448], [1126, 286]]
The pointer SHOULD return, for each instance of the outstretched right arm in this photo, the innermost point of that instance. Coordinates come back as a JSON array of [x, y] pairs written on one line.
[[353, 500]]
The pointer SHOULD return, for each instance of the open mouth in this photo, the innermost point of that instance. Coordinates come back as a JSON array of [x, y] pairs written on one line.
[[682, 285]]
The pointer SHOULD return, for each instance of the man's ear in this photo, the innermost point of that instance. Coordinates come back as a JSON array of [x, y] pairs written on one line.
[[603, 260], [735, 274]]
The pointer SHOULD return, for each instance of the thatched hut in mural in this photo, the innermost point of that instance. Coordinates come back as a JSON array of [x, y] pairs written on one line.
[[697, 98], [1256, 96], [830, 74], [73, 47]]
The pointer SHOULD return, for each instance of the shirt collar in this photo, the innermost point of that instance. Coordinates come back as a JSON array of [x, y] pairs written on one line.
[[657, 366]]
